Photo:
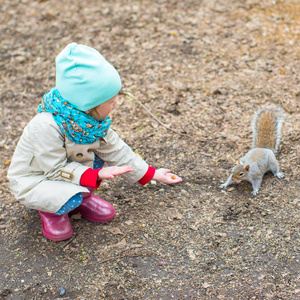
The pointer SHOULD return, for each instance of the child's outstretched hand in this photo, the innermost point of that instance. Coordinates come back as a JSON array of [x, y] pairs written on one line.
[[111, 172], [165, 176]]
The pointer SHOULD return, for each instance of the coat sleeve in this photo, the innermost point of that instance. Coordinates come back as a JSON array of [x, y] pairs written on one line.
[[50, 153], [115, 152]]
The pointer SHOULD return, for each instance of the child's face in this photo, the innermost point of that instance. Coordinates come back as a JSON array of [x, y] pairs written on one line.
[[101, 111]]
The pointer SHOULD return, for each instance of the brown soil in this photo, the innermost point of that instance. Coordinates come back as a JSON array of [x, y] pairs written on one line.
[[193, 72]]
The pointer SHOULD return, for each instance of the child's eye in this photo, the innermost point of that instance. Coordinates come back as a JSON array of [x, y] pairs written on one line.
[[241, 174]]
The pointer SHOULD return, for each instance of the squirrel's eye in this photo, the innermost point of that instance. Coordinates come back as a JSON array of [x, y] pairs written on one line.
[[241, 174]]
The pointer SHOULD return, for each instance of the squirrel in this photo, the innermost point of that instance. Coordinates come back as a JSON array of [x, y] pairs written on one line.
[[266, 135]]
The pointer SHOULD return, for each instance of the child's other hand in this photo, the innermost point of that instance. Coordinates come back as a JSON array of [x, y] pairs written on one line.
[[165, 176], [111, 172]]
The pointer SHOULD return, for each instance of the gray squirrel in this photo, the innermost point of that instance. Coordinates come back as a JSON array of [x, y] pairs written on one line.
[[266, 130]]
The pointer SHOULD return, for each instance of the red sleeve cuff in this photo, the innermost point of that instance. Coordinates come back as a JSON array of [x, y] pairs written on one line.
[[148, 176], [90, 178]]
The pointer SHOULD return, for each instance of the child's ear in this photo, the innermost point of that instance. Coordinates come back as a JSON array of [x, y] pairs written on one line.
[[247, 168]]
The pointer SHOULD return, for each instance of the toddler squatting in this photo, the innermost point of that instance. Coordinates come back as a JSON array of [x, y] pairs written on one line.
[[58, 161]]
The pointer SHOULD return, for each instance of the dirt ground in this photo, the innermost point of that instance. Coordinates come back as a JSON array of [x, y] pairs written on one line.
[[193, 72]]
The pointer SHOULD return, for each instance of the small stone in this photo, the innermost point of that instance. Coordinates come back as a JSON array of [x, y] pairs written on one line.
[[62, 291]]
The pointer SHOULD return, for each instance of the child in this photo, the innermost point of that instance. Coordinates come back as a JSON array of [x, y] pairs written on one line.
[[58, 160]]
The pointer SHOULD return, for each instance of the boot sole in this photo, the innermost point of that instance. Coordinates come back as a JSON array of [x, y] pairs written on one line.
[[57, 238]]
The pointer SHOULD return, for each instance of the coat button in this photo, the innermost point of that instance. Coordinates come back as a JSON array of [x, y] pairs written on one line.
[[79, 155]]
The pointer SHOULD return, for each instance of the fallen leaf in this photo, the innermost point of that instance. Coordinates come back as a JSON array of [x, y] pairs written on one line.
[[129, 222], [193, 227], [221, 234], [122, 243], [178, 216], [76, 216], [133, 246], [114, 230], [191, 254]]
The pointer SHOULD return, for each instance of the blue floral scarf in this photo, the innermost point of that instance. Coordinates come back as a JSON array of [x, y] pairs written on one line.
[[78, 126]]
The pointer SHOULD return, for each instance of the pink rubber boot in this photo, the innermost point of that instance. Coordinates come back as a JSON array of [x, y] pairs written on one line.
[[95, 209], [56, 227]]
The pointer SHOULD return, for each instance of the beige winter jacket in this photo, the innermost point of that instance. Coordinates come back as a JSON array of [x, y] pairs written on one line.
[[46, 167]]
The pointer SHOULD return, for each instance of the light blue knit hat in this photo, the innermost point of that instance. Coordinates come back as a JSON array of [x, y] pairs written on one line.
[[84, 78]]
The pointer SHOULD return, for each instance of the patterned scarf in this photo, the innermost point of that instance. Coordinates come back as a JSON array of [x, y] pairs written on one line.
[[78, 126]]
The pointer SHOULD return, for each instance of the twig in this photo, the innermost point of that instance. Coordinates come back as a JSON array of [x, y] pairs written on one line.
[[122, 237], [251, 59], [71, 239], [284, 107], [162, 124], [183, 249], [151, 114]]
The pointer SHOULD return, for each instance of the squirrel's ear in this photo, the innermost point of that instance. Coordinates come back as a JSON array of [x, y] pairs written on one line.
[[239, 161], [247, 168]]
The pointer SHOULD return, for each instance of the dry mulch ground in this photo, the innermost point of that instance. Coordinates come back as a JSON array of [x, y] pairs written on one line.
[[193, 72]]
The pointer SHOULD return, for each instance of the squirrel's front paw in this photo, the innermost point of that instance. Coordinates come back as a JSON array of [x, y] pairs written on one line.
[[222, 186], [254, 192]]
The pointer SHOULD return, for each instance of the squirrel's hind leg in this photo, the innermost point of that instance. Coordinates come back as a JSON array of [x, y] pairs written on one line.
[[279, 174], [274, 168]]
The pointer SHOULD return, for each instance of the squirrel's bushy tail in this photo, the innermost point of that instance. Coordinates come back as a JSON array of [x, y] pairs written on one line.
[[266, 128]]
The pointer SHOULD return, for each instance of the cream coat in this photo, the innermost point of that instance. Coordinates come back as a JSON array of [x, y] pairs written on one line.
[[46, 167]]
